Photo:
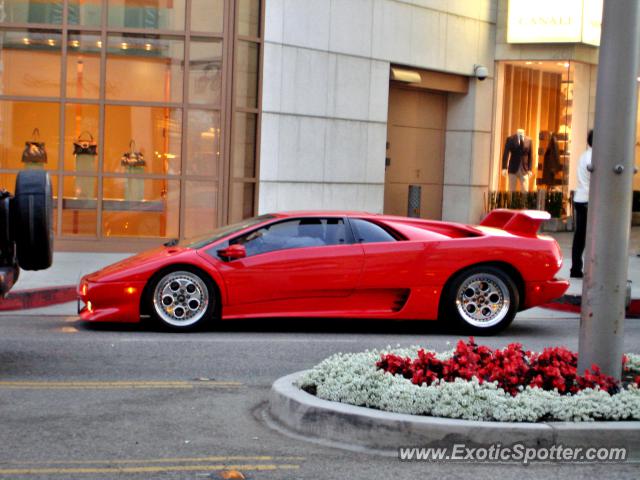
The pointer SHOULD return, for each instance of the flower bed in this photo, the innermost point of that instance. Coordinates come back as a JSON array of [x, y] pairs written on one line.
[[477, 383]]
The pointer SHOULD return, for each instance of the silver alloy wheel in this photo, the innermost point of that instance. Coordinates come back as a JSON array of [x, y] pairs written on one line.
[[483, 300], [181, 298]]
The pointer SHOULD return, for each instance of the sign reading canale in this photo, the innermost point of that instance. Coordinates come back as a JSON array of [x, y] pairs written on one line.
[[554, 21]]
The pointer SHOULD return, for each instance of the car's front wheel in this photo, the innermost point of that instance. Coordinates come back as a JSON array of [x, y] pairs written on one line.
[[481, 300], [182, 299]]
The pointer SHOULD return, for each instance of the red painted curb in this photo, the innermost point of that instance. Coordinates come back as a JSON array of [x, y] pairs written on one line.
[[573, 305], [38, 297]]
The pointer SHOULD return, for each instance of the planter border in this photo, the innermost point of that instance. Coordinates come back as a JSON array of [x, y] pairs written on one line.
[[376, 431]]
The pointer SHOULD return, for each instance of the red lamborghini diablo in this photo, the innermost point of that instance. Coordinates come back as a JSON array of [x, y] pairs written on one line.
[[337, 264]]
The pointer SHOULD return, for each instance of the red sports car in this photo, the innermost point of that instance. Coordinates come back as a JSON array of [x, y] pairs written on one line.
[[337, 264]]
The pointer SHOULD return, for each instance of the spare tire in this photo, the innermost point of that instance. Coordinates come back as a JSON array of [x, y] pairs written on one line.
[[32, 218]]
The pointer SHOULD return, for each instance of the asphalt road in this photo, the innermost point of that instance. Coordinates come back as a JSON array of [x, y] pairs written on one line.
[[84, 402]]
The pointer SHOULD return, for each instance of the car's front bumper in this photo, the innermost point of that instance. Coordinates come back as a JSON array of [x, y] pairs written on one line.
[[109, 302], [539, 293]]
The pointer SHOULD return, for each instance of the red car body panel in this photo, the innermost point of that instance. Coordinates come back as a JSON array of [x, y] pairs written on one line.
[[402, 279]]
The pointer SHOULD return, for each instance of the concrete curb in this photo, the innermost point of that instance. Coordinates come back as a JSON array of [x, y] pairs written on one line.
[[380, 432], [37, 298]]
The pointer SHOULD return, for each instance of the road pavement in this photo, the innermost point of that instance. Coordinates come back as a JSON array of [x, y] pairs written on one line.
[[88, 402]]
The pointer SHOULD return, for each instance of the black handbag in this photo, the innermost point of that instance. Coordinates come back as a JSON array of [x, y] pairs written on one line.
[[85, 146], [34, 151], [132, 158]]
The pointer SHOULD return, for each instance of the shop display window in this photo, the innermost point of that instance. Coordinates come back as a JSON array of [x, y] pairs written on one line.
[[29, 135], [153, 134], [204, 143], [140, 207], [144, 68], [30, 62], [207, 16], [205, 72], [83, 65], [137, 109], [154, 14], [537, 113]]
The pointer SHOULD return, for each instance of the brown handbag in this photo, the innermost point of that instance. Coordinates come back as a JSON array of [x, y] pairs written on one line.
[[85, 146], [34, 151], [132, 158]]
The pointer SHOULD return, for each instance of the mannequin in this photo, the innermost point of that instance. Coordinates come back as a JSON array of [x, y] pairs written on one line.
[[551, 163], [516, 160]]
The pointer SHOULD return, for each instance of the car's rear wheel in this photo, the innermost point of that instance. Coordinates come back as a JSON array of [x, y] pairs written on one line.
[[182, 299], [482, 300]]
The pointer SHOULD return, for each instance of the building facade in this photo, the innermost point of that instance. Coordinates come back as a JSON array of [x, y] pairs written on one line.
[[168, 118]]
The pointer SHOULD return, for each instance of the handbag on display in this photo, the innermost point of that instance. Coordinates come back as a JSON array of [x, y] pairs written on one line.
[[85, 145], [34, 151], [85, 150], [132, 158]]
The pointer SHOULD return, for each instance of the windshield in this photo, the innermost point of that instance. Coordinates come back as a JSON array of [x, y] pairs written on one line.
[[199, 242]]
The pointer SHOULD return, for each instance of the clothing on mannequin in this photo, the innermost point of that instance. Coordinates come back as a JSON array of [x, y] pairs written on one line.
[[516, 160]]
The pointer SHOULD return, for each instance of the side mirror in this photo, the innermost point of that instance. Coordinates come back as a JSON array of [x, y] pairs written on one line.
[[233, 252]]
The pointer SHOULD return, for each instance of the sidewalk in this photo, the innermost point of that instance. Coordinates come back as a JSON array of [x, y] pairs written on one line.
[[52, 291]]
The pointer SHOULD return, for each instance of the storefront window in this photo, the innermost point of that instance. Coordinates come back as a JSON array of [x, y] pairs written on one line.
[[244, 145], [148, 14], [140, 130], [205, 72], [83, 65], [79, 205], [144, 68], [242, 200], [249, 18], [204, 144], [36, 11], [207, 15], [247, 74], [151, 135], [140, 207], [81, 138], [85, 12], [201, 205], [537, 113], [29, 135], [30, 63]]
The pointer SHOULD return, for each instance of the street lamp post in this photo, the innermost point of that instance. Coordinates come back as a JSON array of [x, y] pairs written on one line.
[[609, 215]]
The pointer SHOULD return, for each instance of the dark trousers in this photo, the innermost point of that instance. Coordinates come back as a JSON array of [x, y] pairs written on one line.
[[580, 213]]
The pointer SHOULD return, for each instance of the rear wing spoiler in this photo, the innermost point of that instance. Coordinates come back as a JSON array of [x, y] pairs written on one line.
[[525, 223]]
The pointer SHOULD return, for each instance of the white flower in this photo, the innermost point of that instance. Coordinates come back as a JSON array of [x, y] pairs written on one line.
[[353, 378]]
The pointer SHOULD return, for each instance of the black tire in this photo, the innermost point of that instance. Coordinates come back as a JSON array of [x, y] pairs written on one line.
[[481, 300], [194, 302], [32, 219]]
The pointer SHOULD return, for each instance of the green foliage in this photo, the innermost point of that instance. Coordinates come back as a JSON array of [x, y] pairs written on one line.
[[554, 204], [553, 201], [515, 200]]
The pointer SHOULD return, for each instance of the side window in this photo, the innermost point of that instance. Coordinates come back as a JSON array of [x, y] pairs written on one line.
[[297, 233], [368, 232]]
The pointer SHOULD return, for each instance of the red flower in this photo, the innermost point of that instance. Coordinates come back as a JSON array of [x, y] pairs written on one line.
[[512, 368]]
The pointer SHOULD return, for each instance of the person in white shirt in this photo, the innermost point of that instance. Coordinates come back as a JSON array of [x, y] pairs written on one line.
[[580, 203]]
